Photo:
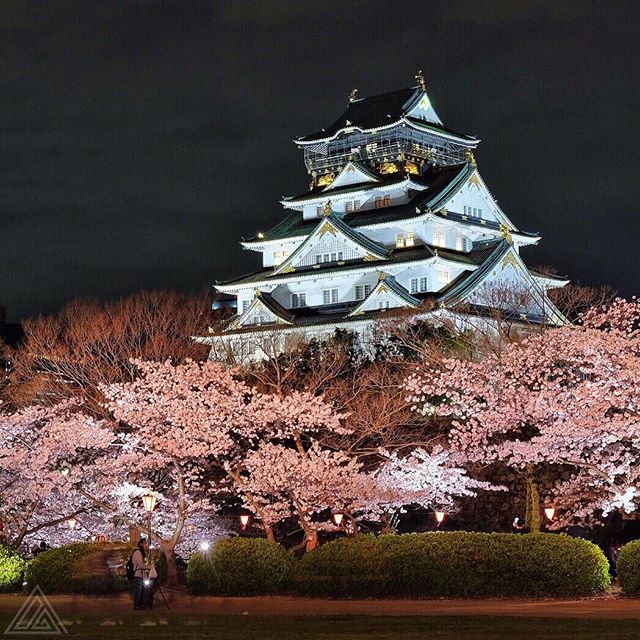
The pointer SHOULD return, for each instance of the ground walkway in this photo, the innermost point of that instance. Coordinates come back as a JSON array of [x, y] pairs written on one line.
[[184, 605]]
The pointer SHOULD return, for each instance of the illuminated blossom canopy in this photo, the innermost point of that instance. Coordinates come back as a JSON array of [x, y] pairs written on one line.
[[566, 397]]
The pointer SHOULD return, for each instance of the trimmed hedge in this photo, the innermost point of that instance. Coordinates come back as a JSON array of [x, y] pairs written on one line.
[[77, 568], [628, 568], [12, 567], [453, 564], [240, 567]]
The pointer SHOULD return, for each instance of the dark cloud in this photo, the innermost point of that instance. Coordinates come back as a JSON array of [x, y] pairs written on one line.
[[141, 139]]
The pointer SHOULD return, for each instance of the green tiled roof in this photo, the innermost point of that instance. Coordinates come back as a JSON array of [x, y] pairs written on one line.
[[440, 182], [422, 252]]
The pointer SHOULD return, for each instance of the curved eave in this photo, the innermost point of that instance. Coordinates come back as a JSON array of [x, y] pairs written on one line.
[[403, 120], [272, 280], [321, 197]]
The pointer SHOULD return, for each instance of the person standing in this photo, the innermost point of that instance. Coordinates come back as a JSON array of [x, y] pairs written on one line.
[[140, 574]]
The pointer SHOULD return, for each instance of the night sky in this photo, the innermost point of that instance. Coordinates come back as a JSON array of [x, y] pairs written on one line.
[[140, 140]]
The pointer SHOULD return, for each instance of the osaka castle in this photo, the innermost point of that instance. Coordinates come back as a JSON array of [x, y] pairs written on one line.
[[396, 218]]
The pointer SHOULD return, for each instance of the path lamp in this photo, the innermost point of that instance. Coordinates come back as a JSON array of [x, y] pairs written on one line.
[[204, 546], [72, 522], [149, 503], [550, 512], [244, 521], [440, 517]]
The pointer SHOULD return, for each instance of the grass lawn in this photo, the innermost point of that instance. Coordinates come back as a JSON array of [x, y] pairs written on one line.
[[160, 626]]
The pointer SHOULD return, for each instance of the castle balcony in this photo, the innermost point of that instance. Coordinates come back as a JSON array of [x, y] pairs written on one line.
[[401, 143]]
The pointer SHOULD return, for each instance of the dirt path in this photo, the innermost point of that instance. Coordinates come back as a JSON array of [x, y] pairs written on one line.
[[605, 607]]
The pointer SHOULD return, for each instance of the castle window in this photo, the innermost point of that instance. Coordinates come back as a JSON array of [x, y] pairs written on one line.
[[438, 239], [279, 257], [245, 305], [378, 202], [352, 205], [387, 201], [399, 240], [461, 243], [418, 285], [383, 304], [444, 275], [362, 291], [409, 240], [319, 211], [329, 296], [298, 300]]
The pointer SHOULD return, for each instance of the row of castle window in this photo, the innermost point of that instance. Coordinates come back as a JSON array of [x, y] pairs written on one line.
[[474, 212], [334, 256], [298, 300], [405, 239], [408, 240], [362, 291], [355, 205], [330, 296], [279, 257]]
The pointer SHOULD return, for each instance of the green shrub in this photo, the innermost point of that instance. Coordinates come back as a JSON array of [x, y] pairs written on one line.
[[240, 567], [347, 567], [78, 568], [12, 567], [453, 564], [628, 568]]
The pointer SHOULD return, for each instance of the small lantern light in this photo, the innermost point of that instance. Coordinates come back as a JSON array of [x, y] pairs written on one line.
[[204, 546], [72, 523], [244, 520], [149, 502], [549, 512], [338, 517], [440, 517]]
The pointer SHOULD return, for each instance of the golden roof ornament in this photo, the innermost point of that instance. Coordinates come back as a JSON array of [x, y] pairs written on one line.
[[506, 234], [352, 95], [420, 78], [471, 159], [382, 277], [328, 209]]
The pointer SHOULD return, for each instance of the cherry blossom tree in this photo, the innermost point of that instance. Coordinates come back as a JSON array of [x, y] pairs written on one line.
[[565, 398], [60, 465], [51, 460], [204, 420]]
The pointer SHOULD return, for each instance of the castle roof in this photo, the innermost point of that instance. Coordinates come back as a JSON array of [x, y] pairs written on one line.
[[439, 182], [474, 258], [381, 110]]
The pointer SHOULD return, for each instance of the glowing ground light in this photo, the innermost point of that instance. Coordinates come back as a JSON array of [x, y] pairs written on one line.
[[72, 523], [337, 518], [440, 517], [244, 521], [204, 546], [550, 512]]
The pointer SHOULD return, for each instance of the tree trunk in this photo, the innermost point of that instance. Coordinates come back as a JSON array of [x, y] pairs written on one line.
[[173, 575], [268, 529], [312, 541], [532, 518]]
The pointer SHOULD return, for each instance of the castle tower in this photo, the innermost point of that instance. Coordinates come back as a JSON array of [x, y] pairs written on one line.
[[397, 216]]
